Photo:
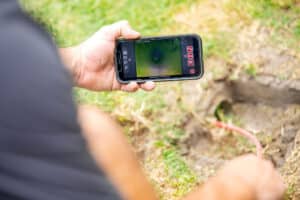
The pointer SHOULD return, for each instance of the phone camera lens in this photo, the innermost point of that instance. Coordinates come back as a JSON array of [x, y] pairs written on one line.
[[157, 56]]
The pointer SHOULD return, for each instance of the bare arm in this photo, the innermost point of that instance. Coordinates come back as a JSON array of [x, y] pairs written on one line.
[[112, 152]]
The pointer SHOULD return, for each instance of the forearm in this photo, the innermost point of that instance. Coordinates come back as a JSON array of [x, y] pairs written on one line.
[[71, 59], [112, 152]]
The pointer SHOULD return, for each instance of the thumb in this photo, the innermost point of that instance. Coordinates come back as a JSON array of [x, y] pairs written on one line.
[[119, 29]]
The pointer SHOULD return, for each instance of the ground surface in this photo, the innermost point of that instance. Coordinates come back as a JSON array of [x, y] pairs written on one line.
[[252, 79]]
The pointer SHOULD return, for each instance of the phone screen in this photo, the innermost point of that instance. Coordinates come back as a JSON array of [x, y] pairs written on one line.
[[159, 58]]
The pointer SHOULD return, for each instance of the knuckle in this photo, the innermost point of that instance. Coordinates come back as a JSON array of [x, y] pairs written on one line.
[[269, 165], [125, 22], [105, 28]]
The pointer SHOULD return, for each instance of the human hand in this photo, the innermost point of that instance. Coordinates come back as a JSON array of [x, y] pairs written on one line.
[[92, 62], [259, 175]]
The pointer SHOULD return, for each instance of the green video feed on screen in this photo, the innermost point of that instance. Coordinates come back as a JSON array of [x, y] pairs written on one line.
[[158, 57]]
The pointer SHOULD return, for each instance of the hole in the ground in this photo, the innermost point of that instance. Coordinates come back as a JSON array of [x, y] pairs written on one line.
[[223, 110]]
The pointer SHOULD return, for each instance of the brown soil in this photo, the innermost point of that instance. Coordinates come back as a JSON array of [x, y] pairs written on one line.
[[267, 103]]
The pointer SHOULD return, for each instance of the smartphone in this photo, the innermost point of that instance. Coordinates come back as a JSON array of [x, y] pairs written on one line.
[[164, 58]]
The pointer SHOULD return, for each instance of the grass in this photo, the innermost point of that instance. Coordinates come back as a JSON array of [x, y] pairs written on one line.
[[162, 112], [180, 175], [289, 192], [282, 16], [251, 69], [72, 21]]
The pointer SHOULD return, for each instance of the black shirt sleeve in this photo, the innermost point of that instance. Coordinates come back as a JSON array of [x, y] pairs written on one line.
[[43, 156]]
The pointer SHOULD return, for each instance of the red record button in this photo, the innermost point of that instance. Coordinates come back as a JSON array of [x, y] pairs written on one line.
[[192, 71], [190, 56]]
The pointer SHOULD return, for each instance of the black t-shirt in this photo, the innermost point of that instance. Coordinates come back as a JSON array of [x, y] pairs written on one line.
[[43, 155]]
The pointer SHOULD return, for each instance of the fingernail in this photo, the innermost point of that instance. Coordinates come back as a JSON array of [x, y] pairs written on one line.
[[135, 32], [151, 84], [133, 84]]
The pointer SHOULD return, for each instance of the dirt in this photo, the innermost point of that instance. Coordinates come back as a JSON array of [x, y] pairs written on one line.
[[266, 103], [254, 47]]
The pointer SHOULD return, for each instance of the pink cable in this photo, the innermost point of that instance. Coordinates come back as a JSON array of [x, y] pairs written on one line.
[[243, 132]]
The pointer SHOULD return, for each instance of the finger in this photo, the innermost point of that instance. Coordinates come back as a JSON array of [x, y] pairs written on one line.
[[123, 29], [131, 87], [120, 29], [148, 86], [271, 183]]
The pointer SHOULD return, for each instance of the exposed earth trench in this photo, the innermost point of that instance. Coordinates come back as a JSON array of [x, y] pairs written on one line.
[[264, 105]]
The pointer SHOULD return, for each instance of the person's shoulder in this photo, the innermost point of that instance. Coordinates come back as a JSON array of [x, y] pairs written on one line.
[[34, 77], [6, 6], [23, 38]]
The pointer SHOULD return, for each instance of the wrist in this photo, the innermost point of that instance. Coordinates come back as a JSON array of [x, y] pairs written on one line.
[[71, 57]]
